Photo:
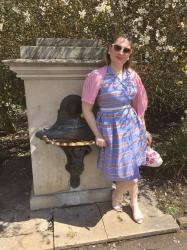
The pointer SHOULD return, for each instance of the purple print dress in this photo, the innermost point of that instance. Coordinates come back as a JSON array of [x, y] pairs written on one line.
[[118, 122]]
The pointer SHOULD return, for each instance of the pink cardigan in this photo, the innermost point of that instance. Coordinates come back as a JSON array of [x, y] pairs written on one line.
[[93, 82]]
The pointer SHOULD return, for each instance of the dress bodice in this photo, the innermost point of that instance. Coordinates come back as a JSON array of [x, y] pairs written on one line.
[[116, 92]]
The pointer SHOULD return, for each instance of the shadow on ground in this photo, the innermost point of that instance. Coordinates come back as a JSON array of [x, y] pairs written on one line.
[[15, 188], [15, 184]]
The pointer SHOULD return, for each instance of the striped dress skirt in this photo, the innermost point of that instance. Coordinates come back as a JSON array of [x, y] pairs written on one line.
[[122, 129]]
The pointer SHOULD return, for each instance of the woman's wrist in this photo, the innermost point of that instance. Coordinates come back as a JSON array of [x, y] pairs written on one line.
[[147, 133], [100, 141], [143, 122], [98, 134]]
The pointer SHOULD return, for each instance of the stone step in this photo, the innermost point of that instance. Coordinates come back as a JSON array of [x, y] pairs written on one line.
[[52, 52], [68, 42], [98, 223], [76, 226]]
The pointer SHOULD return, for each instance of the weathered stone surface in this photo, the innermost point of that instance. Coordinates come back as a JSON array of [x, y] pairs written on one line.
[[46, 214], [67, 42], [27, 242], [182, 222], [70, 198], [35, 225], [53, 62], [12, 215], [47, 82], [52, 52], [77, 226], [33, 234], [48, 161], [172, 241], [121, 225]]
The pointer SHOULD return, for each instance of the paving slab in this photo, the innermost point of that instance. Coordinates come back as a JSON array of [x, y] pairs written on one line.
[[182, 222], [171, 241], [46, 214], [76, 226], [26, 242], [121, 225], [33, 234]]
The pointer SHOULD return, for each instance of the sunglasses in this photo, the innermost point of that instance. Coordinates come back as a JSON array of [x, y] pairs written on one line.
[[118, 48]]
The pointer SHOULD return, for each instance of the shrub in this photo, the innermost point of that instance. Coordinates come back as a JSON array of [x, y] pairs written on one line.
[[174, 153], [158, 28]]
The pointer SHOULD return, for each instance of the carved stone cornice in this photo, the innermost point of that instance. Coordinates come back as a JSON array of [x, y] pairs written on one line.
[[61, 58], [52, 69]]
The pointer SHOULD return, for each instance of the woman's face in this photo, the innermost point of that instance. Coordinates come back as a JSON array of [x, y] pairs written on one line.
[[120, 51]]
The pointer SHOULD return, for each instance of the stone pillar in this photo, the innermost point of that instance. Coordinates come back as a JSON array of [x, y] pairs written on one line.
[[51, 70]]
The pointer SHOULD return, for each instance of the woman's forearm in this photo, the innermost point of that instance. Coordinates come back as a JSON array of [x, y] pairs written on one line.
[[90, 118], [148, 135], [143, 121]]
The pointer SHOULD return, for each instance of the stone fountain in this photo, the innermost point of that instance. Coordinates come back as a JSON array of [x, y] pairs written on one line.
[[52, 71]]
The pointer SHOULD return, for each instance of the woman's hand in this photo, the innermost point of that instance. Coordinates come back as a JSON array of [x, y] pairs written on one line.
[[149, 138], [90, 118], [100, 142]]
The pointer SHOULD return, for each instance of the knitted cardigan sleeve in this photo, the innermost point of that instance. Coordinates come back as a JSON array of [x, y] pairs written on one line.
[[140, 101], [92, 85]]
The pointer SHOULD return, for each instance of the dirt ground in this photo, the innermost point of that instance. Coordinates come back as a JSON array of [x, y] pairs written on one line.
[[15, 184]]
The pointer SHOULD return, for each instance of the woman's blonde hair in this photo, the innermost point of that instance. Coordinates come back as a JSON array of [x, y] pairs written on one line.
[[125, 36]]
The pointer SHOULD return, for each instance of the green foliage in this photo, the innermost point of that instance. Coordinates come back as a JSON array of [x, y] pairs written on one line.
[[158, 29], [3, 156], [11, 95], [172, 210], [174, 153], [11, 88]]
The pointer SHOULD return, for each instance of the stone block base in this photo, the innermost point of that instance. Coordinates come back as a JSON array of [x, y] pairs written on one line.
[[69, 198]]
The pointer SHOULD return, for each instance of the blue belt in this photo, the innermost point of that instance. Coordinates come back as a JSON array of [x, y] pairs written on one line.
[[115, 108]]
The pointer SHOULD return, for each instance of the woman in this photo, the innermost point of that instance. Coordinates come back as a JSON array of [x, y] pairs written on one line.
[[119, 128]]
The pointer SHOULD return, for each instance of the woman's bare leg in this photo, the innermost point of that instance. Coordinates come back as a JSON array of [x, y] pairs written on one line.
[[133, 192], [117, 195], [132, 187]]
